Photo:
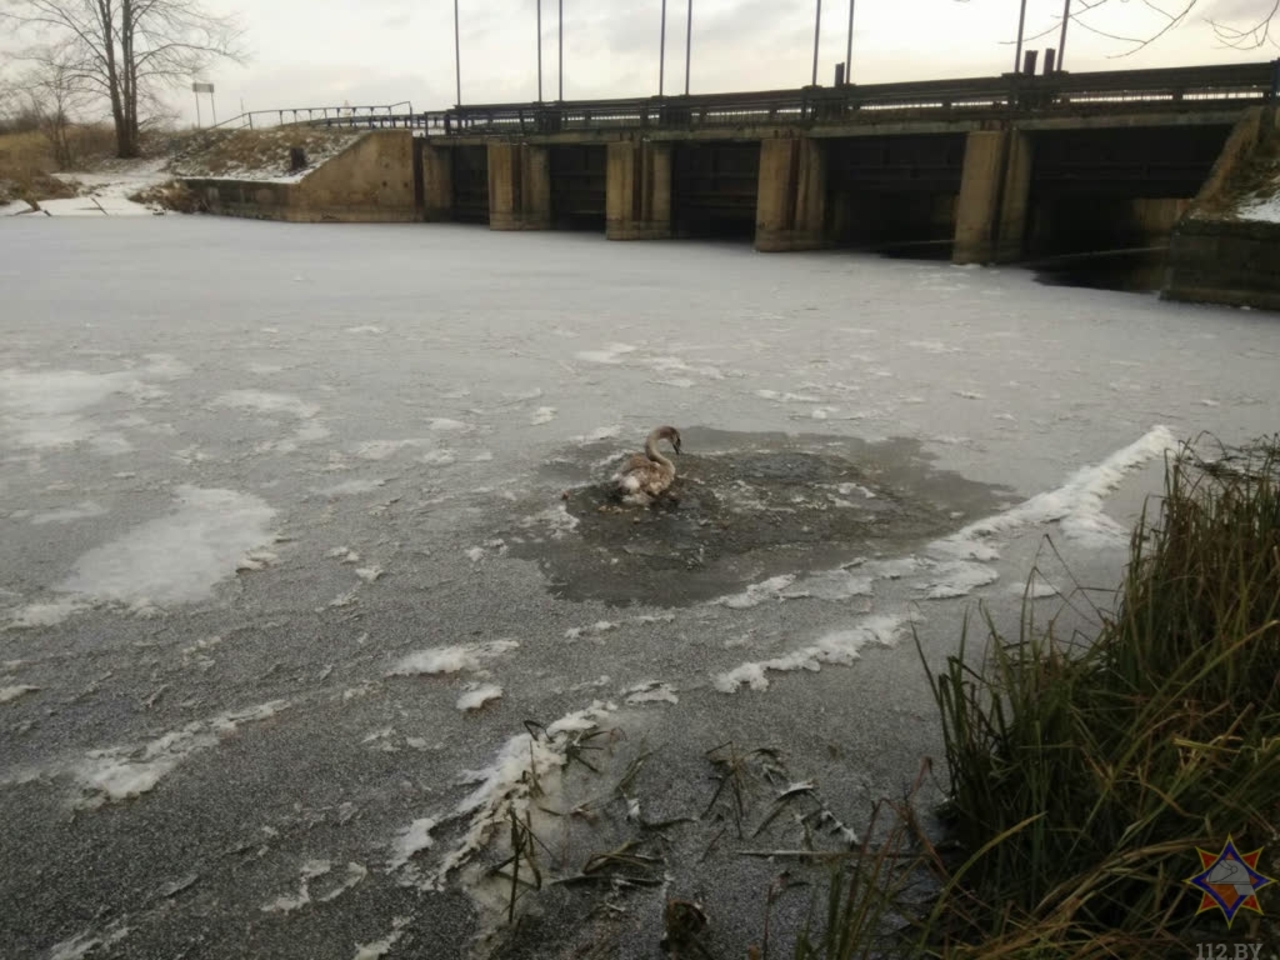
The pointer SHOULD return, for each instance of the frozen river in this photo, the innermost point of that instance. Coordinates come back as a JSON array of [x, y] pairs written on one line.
[[303, 588]]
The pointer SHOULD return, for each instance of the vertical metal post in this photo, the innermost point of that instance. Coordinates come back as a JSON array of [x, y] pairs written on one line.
[[688, 45], [1062, 39], [817, 29], [561, 50], [213, 107], [662, 49], [197, 96], [1022, 24], [848, 49], [457, 54], [539, 51]]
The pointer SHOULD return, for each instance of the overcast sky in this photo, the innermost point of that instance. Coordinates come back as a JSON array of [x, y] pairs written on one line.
[[325, 52]]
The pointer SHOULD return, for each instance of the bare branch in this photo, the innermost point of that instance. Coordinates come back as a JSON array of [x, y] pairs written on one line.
[[1254, 34], [1252, 37], [123, 51]]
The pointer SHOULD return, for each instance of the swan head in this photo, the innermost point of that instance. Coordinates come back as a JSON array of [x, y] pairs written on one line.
[[670, 434]]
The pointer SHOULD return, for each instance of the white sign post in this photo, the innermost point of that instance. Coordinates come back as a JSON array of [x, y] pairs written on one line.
[[199, 88]]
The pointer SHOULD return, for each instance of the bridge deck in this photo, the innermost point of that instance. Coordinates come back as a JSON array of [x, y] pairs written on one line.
[[1179, 95]]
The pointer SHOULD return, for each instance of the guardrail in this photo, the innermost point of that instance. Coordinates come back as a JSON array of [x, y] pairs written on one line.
[[387, 115], [1179, 88]]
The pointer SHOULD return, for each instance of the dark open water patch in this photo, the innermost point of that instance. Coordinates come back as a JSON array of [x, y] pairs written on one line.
[[749, 506], [1130, 271], [1138, 270]]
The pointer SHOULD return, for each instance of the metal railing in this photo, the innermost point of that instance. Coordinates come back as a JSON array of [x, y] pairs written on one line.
[[387, 115], [1178, 89], [1181, 89]]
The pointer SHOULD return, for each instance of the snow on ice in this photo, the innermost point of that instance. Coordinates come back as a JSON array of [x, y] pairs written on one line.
[[1076, 506], [179, 558], [114, 774], [14, 692], [413, 839], [839, 647], [478, 696], [454, 659]]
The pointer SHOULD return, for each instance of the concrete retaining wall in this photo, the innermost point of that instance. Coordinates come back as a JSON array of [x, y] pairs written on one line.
[[1214, 258], [1236, 262], [370, 181]]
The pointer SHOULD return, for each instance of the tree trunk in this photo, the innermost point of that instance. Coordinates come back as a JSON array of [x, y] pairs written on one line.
[[129, 88], [107, 28]]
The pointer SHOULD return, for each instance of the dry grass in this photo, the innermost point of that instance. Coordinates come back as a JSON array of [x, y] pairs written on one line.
[[1256, 178], [1083, 778], [27, 164], [173, 195]]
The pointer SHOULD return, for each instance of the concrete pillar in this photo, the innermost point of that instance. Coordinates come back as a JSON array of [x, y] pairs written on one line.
[[1155, 218], [991, 218], [437, 183], [638, 191], [1011, 240], [976, 207], [791, 196], [519, 187]]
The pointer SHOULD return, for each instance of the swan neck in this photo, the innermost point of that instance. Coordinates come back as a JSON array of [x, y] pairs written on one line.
[[651, 451]]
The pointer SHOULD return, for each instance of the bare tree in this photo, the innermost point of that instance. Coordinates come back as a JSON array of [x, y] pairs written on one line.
[[54, 96], [124, 51]]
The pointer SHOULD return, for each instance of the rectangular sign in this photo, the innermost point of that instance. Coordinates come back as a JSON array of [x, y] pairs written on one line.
[[202, 88]]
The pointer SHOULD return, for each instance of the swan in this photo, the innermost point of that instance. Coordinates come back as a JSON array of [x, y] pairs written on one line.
[[644, 477]]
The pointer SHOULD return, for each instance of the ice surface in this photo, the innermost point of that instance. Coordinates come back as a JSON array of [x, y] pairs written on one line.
[[383, 449], [269, 403], [42, 408], [831, 585], [654, 691], [351, 487], [599, 434], [958, 578], [82, 943], [758, 593], [81, 511], [286, 903], [380, 948], [446, 425], [1039, 590], [37, 615], [612, 354], [438, 458], [485, 350]]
